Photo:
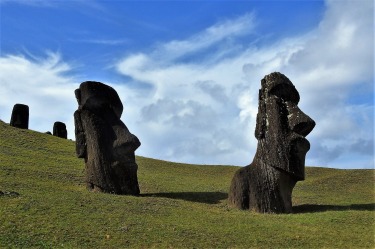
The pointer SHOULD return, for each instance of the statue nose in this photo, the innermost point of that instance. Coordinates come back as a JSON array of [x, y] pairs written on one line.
[[299, 122]]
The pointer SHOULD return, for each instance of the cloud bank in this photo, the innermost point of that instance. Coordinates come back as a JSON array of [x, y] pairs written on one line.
[[203, 110]]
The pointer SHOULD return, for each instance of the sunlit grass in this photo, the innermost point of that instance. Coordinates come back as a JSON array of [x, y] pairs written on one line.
[[181, 206]]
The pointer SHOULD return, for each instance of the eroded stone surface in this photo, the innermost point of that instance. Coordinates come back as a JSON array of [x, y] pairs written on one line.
[[59, 130], [20, 116], [266, 184], [104, 141]]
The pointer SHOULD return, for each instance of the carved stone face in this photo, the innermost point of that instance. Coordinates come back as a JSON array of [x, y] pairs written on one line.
[[282, 126], [104, 141]]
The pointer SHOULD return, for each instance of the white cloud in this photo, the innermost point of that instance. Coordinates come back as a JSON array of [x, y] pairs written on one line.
[[109, 42], [332, 65], [201, 101], [43, 85], [221, 31], [188, 108], [325, 65]]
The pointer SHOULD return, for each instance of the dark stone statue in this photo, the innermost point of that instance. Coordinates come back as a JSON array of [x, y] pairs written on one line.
[[266, 184], [20, 116], [104, 141], [59, 130]]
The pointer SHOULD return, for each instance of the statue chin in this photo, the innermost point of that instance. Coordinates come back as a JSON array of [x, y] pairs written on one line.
[[300, 145]]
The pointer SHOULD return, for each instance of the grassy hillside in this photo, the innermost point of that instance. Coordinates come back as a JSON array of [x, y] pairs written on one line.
[[44, 204]]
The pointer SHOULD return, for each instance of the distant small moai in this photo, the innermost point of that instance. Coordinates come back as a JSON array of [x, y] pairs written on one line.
[[59, 130], [104, 141], [20, 116], [266, 184]]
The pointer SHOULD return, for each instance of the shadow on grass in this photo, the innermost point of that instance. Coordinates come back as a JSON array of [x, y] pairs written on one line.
[[202, 197], [314, 208], [11, 194]]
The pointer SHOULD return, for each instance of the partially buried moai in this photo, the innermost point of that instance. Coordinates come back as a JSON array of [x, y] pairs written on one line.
[[59, 130], [20, 116], [104, 141], [266, 184]]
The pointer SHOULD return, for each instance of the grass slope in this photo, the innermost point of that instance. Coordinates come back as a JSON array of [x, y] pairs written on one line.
[[182, 206]]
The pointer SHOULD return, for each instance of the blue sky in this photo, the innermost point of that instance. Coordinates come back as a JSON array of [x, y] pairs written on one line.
[[188, 72]]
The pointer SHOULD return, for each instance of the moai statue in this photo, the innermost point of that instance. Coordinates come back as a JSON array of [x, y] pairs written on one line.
[[266, 184], [59, 130], [20, 116], [104, 141]]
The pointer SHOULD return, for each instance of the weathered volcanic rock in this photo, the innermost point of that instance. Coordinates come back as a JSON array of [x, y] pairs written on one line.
[[20, 116], [59, 130], [104, 141], [266, 184]]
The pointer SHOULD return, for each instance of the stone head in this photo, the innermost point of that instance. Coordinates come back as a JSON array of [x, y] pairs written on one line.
[[104, 141], [59, 130], [98, 98], [281, 126], [20, 116]]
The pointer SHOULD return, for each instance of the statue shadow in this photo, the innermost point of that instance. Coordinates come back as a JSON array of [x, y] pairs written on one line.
[[201, 197], [315, 208]]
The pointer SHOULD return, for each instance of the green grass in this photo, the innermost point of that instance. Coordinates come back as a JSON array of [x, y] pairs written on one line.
[[182, 206]]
